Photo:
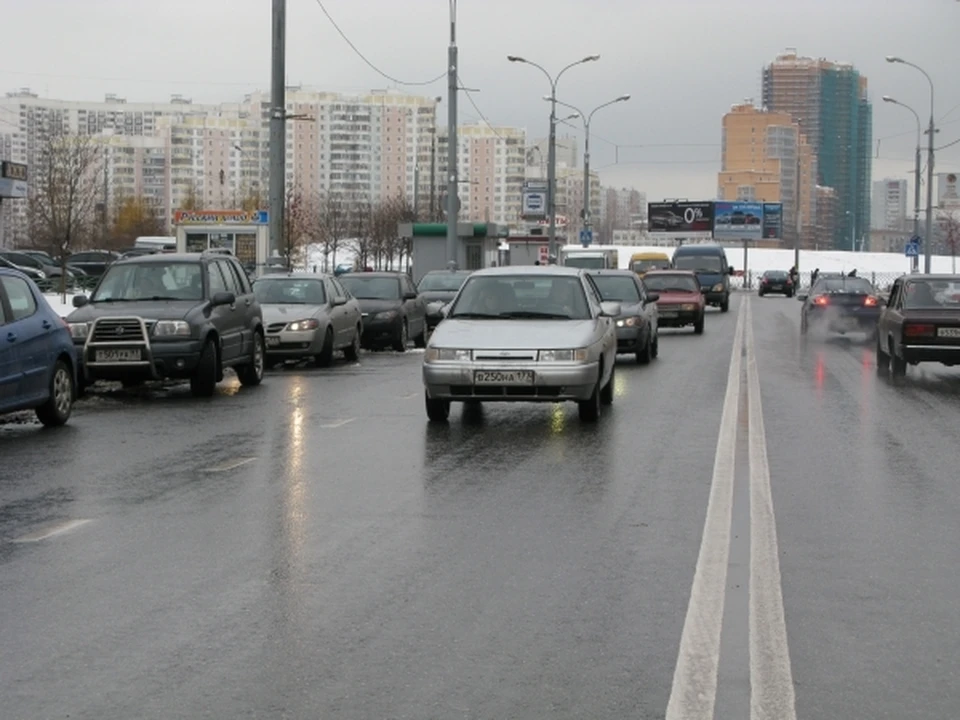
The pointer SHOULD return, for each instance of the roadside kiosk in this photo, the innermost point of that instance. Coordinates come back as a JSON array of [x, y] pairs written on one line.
[[478, 246], [244, 233]]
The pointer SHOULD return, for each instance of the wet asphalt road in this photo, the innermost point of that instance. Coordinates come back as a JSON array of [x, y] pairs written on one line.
[[312, 548]]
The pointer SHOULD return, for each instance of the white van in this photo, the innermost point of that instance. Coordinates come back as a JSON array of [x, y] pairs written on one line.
[[158, 244]]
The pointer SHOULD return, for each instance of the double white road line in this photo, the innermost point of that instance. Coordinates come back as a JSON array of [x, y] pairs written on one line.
[[694, 691]]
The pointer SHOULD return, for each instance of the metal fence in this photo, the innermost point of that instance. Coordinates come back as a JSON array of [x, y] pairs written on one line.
[[881, 280]]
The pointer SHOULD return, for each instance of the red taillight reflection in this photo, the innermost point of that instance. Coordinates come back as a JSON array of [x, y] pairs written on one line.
[[820, 300], [917, 330], [870, 301]]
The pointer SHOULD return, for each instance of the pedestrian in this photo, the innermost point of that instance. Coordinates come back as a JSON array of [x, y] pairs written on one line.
[[852, 273], [813, 278]]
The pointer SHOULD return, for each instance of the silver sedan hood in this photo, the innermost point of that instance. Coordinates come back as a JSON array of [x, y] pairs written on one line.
[[513, 334], [289, 313]]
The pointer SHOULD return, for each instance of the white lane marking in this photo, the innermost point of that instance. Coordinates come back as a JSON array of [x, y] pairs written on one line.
[[230, 465], [409, 396], [694, 691], [338, 423], [772, 694], [51, 531]]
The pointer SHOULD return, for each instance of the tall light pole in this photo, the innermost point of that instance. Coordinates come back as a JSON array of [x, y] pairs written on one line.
[[928, 235], [916, 176], [453, 183], [586, 151], [552, 146], [278, 127]]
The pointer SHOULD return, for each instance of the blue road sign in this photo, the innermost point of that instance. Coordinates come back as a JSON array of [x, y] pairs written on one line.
[[586, 237], [912, 249]]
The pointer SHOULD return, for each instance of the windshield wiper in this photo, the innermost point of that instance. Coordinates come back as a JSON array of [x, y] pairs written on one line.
[[475, 316], [159, 297], [524, 314]]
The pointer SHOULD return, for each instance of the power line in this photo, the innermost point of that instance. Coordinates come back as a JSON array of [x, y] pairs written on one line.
[[368, 62], [955, 142], [472, 102]]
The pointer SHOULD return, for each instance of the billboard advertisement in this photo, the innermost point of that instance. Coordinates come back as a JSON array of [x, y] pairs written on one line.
[[680, 219], [947, 196], [738, 221], [220, 217], [13, 180], [534, 200], [772, 221]]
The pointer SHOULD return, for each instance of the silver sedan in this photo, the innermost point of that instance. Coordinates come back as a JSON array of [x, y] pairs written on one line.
[[308, 316], [523, 334]]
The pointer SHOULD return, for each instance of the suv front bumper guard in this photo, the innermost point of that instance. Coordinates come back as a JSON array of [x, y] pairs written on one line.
[[130, 333]]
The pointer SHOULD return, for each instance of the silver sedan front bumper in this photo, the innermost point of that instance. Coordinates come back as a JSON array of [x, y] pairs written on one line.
[[291, 344], [549, 382]]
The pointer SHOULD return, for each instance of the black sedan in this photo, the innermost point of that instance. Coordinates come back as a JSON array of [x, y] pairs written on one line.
[[840, 304], [438, 288], [775, 282], [393, 311]]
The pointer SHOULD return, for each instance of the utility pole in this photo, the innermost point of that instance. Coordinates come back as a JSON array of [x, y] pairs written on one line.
[[928, 236], [416, 192], [278, 127], [106, 195], [433, 174], [453, 200]]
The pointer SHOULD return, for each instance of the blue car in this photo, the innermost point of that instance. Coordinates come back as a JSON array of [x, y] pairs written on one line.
[[38, 365]]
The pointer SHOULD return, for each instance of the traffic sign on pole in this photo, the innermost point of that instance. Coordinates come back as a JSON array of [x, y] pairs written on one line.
[[586, 237], [912, 248]]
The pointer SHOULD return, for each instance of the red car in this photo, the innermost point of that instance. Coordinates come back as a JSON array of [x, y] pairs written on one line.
[[681, 302]]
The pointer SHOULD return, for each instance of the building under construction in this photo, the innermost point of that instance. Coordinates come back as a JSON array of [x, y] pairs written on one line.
[[829, 102]]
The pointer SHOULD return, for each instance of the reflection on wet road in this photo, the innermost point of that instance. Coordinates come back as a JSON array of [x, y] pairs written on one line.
[[313, 548]]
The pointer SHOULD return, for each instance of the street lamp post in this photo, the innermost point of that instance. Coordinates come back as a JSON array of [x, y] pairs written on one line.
[[453, 199], [552, 144], [916, 176], [931, 130], [586, 151]]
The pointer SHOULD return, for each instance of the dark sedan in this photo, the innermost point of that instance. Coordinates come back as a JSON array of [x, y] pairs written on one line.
[[921, 323], [775, 282], [840, 304], [438, 288], [637, 324], [393, 312]]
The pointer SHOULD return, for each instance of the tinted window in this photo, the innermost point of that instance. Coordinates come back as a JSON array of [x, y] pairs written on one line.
[[932, 294], [522, 296], [775, 274], [142, 281], [365, 287], [443, 281], [215, 279], [667, 283], [239, 277], [617, 288], [22, 302], [843, 285], [229, 278], [290, 291], [3, 315], [699, 263], [339, 289], [590, 263], [23, 260]]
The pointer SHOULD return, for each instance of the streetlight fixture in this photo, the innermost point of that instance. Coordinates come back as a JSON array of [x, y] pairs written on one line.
[[586, 151], [931, 130], [552, 146], [916, 175]]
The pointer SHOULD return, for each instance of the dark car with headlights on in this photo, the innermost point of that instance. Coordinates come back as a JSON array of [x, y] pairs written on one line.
[[637, 324], [393, 311], [775, 282], [840, 304], [920, 324], [438, 288], [681, 302], [162, 316]]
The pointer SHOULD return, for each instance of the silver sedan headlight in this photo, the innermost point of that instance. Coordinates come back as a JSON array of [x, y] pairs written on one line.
[[575, 355], [303, 325], [447, 355], [628, 322]]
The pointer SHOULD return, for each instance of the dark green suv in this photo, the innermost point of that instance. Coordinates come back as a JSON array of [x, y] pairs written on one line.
[[162, 316]]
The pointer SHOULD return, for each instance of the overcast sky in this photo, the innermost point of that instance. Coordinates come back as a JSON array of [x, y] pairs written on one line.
[[683, 61]]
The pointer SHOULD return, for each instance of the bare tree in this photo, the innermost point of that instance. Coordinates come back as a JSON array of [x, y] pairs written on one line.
[[364, 222], [297, 216], [334, 216], [950, 225], [62, 206], [134, 217]]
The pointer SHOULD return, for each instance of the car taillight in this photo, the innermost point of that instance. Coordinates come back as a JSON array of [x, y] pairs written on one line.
[[820, 300], [870, 301], [914, 330]]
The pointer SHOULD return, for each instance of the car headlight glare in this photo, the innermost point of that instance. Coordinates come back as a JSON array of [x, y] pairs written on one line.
[[303, 325], [688, 306], [171, 328], [718, 287], [447, 355], [575, 355], [78, 331], [628, 322], [385, 315]]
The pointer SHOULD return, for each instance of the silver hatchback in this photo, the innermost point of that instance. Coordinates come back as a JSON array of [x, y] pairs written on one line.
[[523, 334]]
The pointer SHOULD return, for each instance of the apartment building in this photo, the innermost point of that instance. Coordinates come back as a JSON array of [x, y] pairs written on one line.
[[766, 158], [888, 207], [491, 164]]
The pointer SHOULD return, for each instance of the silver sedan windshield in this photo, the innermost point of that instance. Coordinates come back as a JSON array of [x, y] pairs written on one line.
[[522, 296]]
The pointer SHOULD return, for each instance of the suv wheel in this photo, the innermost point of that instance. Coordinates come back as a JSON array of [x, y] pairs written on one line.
[[725, 304], [204, 380], [56, 410], [252, 372]]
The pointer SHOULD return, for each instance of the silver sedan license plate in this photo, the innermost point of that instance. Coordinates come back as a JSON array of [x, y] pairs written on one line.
[[273, 341], [948, 332], [112, 356], [503, 377]]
